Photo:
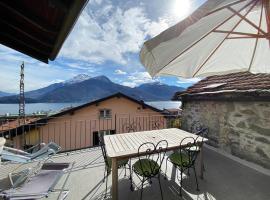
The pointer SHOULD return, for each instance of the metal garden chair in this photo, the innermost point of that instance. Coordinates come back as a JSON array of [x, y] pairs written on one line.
[[149, 163], [108, 163], [185, 158]]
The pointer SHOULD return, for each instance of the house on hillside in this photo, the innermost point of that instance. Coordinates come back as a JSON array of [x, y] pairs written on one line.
[[81, 126], [236, 108]]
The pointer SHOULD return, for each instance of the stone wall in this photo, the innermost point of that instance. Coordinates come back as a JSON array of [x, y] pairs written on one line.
[[239, 128]]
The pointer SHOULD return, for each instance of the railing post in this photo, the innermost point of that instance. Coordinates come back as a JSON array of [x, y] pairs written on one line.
[[115, 123]]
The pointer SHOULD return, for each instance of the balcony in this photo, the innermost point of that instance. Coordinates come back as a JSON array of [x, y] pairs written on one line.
[[226, 177]]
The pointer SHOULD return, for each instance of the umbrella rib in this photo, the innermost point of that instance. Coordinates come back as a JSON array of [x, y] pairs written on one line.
[[226, 6], [267, 15], [256, 42], [247, 37], [248, 21], [250, 35], [196, 42], [219, 45]]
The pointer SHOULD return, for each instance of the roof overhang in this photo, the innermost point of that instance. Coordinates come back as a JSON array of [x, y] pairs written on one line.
[[38, 28]]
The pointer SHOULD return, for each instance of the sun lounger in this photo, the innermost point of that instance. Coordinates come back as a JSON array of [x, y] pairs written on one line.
[[40, 184], [19, 156]]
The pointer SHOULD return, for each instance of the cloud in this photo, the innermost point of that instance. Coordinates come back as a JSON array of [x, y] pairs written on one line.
[[110, 33], [120, 72], [97, 40], [189, 80], [138, 78]]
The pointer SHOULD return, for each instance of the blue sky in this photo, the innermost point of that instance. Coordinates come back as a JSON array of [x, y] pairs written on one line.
[[106, 40]]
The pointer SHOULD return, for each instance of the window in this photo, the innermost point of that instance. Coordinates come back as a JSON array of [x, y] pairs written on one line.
[[105, 113]]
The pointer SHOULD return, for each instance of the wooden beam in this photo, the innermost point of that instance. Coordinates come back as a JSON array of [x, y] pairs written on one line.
[[25, 33], [256, 42], [251, 35], [247, 20], [34, 22], [23, 47]]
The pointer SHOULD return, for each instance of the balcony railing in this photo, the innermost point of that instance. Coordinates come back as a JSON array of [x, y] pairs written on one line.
[[76, 133]]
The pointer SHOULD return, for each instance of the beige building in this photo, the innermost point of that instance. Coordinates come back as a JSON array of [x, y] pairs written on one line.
[[236, 109], [79, 127]]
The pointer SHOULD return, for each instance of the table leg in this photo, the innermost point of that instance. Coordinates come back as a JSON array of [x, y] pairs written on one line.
[[114, 179], [201, 162]]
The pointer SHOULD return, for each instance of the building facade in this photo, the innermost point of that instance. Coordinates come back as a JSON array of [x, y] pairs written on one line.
[[81, 126]]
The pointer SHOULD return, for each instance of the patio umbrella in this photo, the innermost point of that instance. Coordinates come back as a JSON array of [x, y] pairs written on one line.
[[220, 37]]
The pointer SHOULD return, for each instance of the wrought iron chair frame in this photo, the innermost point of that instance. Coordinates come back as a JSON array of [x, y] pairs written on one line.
[[152, 153], [107, 170], [185, 150]]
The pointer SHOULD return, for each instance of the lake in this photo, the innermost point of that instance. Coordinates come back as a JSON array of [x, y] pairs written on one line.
[[54, 107]]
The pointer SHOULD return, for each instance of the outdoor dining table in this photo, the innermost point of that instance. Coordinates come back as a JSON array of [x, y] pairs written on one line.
[[125, 145]]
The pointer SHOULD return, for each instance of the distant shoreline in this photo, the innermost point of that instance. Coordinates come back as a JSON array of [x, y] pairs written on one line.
[[31, 108]]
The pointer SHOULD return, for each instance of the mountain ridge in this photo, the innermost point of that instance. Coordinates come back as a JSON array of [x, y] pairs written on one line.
[[3, 94], [91, 88]]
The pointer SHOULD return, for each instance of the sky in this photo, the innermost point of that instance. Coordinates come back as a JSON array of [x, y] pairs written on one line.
[[106, 40]]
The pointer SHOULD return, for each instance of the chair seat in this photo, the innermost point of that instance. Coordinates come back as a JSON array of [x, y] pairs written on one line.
[[146, 167], [176, 159]]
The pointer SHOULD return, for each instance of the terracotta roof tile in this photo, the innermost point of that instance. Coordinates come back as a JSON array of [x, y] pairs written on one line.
[[15, 124], [236, 82]]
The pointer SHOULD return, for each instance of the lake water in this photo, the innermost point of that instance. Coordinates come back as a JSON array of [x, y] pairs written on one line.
[[54, 107]]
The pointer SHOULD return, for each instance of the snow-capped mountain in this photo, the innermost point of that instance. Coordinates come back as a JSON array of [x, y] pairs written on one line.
[[82, 88], [77, 79]]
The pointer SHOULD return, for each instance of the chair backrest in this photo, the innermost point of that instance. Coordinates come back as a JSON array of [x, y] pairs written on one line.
[[203, 132], [189, 151], [198, 129], [48, 150], [196, 126], [103, 150], [151, 157]]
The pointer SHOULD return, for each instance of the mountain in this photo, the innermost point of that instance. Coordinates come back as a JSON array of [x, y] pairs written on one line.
[[77, 79], [3, 94], [15, 99], [91, 89], [35, 94], [84, 89], [162, 91]]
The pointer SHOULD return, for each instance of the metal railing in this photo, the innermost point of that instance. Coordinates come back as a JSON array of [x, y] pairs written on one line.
[[76, 133]]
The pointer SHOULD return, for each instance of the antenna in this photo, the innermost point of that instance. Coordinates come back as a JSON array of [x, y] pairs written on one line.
[[22, 100]]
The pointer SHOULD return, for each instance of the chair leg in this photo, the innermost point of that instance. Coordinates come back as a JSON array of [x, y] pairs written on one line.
[[142, 189], [107, 176], [104, 173], [130, 177], [165, 177], [196, 178], [125, 171], [130, 170], [203, 167], [160, 187], [181, 183]]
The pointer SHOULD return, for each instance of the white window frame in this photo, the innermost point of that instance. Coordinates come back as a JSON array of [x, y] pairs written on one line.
[[105, 113]]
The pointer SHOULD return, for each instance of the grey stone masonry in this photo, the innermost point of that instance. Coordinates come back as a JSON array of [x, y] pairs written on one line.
[[239, 128]]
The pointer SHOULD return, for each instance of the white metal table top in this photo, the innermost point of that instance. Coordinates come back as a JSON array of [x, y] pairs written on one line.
[[127, 144]]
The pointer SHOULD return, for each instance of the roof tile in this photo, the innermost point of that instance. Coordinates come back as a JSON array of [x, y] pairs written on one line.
[[235, 82]]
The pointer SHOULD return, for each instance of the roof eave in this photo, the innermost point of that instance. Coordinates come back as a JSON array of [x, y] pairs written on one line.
[[70, 20]]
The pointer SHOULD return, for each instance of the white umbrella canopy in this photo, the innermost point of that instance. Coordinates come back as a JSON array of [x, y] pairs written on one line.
[[220, 37]]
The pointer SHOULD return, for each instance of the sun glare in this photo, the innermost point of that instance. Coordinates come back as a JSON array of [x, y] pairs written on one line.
[[181, 8]]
